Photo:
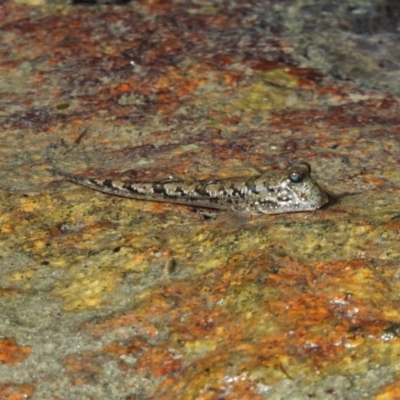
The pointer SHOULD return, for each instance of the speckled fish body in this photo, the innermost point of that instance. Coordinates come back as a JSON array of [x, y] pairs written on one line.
[[272, 192]]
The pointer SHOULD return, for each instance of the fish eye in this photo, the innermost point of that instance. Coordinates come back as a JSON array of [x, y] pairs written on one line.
[[295, 177], [297, 173]]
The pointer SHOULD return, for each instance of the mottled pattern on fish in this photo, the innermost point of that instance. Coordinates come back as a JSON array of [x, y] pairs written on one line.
[[271, 192]]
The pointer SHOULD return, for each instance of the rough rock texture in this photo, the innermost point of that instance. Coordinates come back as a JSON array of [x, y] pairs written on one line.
[[109, 298]]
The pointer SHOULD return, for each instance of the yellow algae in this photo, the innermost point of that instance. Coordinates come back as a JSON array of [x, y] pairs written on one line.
[[137, 263], [7, 228], [271, 90], [39, 244], [390, 174], [200, 346], [21, 275], [246, 298], [26, 204], [211, 263], [34, 3], [390, 313], [59, 263], [87, 289], [93, 276], [280, 77]]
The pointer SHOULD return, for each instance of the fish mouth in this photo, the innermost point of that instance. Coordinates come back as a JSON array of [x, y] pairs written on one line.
[[271, 207]]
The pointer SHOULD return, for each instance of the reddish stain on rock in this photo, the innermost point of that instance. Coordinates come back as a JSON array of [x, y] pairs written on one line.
[[11, 352], [12, 391]]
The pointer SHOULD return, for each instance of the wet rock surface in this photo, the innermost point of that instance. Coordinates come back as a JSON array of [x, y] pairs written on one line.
[[105, 297]]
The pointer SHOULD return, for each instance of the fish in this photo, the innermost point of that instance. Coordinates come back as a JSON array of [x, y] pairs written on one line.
[[269, 192]]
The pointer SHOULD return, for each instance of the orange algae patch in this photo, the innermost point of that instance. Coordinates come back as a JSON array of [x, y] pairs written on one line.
[[81, 368], [254, 320], [12, 391], [159, 361], [391, 391], [11, 352], [209, 379]]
